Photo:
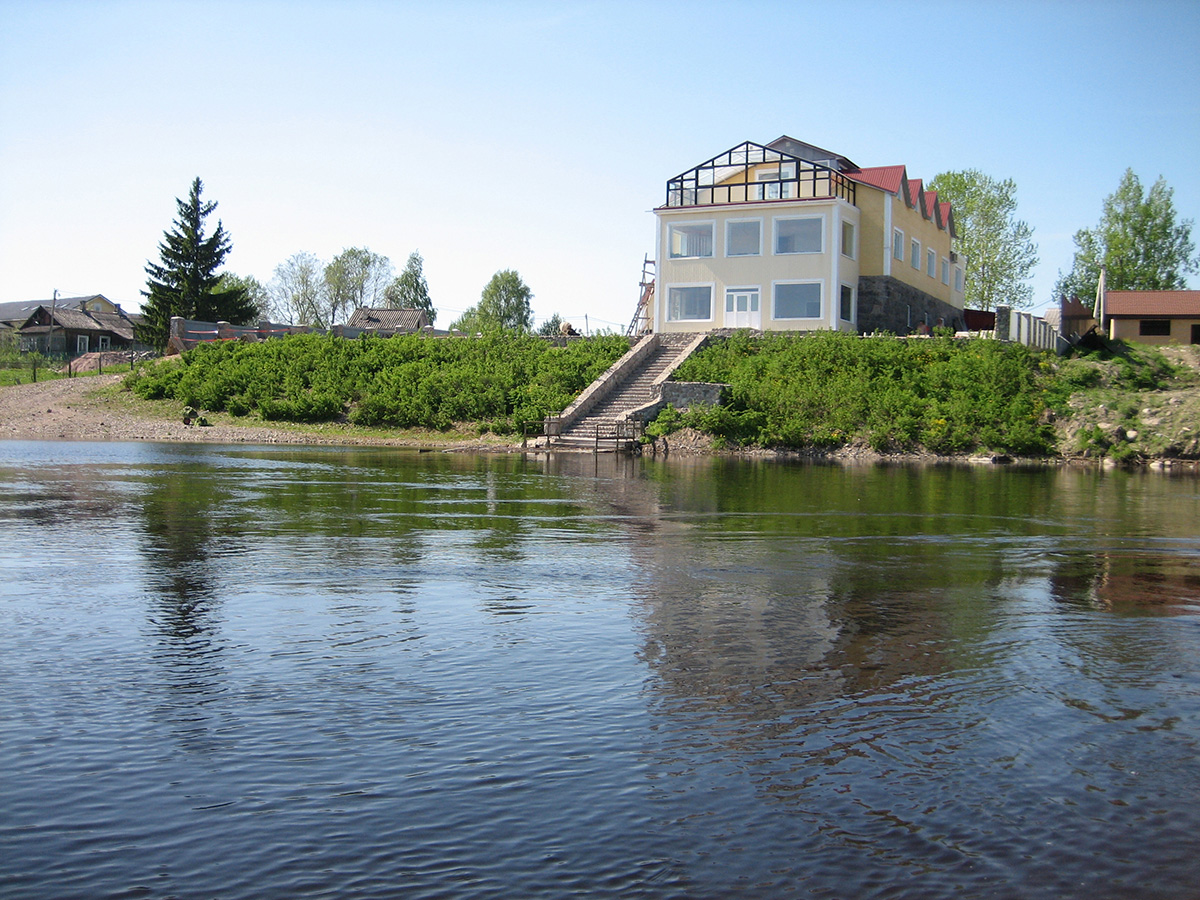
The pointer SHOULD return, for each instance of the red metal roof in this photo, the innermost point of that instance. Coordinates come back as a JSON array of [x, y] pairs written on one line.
[[1164, 304], [886, 178]]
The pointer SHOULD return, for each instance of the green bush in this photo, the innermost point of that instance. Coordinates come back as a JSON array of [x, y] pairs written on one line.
[[826, 389], [504, 380]]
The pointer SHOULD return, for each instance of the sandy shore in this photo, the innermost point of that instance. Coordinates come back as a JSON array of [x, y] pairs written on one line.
[[86, 409]]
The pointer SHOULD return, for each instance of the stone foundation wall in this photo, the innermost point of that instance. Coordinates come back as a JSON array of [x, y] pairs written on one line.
[[886, 304]]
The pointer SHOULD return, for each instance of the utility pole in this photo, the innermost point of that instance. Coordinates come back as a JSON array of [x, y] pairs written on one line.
[[50, 333]]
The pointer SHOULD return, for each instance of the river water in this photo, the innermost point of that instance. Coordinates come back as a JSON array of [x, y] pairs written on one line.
[[245, 672]]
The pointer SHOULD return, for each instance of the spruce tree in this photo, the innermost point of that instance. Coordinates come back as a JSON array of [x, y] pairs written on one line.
[[186, 283]]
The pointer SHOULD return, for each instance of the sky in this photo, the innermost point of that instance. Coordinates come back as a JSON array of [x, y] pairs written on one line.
[[539, 136]]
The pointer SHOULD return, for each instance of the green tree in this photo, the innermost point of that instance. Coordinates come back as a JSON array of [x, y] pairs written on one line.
[[256, 292], [1139, 241], [297, 289], [504, 304], [552, 326], [409, 290], [185, 283], [999, 248], [355, 277]]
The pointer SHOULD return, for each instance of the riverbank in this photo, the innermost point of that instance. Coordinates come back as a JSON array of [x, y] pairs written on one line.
[[96, 408]]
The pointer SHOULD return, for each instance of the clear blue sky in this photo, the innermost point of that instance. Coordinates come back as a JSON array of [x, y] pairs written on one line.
[[538, 136]]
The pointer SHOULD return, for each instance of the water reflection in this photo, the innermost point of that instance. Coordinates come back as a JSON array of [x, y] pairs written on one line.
[[605, 676]]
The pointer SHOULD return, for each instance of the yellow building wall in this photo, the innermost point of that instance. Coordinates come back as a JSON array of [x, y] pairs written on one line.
[[1127, 330], [926, 231], [875, 244], [829, 267]]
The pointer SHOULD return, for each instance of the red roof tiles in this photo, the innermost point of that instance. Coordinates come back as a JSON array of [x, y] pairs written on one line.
[[1163, 304]]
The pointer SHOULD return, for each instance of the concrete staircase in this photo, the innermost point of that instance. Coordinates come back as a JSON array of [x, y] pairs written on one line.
[[606, 423]]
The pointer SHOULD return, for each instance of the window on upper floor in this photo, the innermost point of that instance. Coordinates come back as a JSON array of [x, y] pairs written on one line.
[[930, 263], [958, 279], [691, 241], [797, 300], [776, 182], [799, 235], [690, 302], [914, 254], [848, 239], [945, 271], [743, 237], [898, 244]]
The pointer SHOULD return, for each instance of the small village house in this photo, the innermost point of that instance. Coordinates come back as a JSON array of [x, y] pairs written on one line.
[[788, 236], [71, 326], [1151, 317]]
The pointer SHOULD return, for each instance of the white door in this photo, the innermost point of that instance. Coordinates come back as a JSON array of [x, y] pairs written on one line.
[[742, 308]]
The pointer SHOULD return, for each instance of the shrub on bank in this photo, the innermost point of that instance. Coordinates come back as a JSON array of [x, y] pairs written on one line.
[[827, 389], [500, 380]]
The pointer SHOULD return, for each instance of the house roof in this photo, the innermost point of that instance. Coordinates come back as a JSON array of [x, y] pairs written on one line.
[[20, 310], [17, 312], [1164, 304], [116, 323], [893, 179], [388, 319], [811, 153]]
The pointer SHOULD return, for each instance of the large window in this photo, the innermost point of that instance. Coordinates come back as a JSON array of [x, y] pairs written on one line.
[[798, 235], [776, 182], [691, 241], [689, 303], [800, 300], [847, 303], [743, 238], [848, 239], [898, 244], [914, 254], [1155, 327]]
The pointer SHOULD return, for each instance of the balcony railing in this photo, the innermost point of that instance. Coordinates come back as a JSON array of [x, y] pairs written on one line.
[[750, 173]]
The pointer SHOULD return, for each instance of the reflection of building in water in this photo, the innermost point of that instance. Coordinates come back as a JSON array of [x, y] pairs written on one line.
[[1129, 581], [734, 612]]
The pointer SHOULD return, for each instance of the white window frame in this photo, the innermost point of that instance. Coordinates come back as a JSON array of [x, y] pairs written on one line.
[[853, 302], [685, 285], [81, 343], [780, 189], [820, 316], [775, 251], [849, 252], [931, 262], [958, 279], [914, 254], [105, 341], [945, 271], [754, 289], [898, 244], [712, 236], [729, 222]]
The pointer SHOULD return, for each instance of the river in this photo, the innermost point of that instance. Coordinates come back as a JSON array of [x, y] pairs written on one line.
[[249, 672]]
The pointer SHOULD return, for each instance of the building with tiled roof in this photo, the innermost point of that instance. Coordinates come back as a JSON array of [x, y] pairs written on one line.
[[789, 236], [1152, 317]]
